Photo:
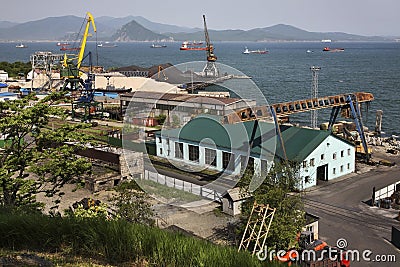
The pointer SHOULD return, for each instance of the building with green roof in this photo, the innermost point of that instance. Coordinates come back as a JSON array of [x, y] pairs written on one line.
[[205, 143]]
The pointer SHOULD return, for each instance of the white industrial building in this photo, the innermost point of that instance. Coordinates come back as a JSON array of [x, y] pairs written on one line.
[[3, 75], [205, 142]]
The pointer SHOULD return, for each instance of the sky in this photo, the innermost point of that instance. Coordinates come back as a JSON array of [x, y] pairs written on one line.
[[363, 17]]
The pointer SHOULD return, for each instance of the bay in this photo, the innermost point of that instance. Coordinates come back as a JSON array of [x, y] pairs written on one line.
[[282, 75]]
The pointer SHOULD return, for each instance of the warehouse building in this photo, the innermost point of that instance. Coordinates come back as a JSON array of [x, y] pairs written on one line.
[[230, 148]]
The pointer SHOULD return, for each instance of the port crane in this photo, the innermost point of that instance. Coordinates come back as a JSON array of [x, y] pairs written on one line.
[[71, 65], [73, 75], [210, 70], [348, 104]]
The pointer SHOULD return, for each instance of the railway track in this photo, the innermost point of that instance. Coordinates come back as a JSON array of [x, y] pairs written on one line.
[[355, 216]]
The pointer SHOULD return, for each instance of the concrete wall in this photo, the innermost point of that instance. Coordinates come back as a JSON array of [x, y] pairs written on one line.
[[131, 164]]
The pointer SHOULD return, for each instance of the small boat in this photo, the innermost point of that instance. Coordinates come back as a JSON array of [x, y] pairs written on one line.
[[328, 49], [21, 45], [197, 43], [158, 46], [187, 46], [258, 51], [62, 44], [326, 41], [66, 48], [106, 44], [309, 51]]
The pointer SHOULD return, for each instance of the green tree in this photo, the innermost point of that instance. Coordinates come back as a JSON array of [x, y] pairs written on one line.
[[161, 119], [13, 69], [176, 122], [279, 191], [35, 158], [132, 204]]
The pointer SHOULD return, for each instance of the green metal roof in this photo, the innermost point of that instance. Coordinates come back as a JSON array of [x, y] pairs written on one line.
[[299, 142]]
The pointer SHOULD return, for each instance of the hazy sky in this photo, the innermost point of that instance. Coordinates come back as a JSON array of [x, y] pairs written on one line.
[[365, 17]]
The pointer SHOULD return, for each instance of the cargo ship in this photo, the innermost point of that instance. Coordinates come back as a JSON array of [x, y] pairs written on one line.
[[258, 51], [189, 46], [328, 49]]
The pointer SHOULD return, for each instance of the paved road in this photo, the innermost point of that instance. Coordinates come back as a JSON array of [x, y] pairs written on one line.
[[339, 204]]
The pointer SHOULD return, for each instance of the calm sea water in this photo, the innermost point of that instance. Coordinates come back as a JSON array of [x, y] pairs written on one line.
[[282, 75]]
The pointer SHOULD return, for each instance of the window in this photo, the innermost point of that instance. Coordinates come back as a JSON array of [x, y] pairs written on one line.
[[160, 150], [307, 179], [322, 156], [159, 139], [312, 162], [334, 155], [194, 153], [348, 166], [210, 157], [342, 153], [334, 170], [341, 168], [178, 150], [228, 161], [348, 152], [305, 164]]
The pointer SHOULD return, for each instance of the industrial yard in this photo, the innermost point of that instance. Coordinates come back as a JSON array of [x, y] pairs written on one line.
[[203, 149]]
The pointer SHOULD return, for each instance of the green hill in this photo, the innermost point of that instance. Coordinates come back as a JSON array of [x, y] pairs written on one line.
[[133, 31]]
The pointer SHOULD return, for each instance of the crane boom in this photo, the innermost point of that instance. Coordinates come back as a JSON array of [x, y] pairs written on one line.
[[210, 48], [90, 20]]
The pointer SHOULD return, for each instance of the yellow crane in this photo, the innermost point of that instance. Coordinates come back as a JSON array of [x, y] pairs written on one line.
[[71, 70], [90, 20]]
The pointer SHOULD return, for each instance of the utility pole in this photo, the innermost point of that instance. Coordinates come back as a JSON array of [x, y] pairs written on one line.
[[314, 95]]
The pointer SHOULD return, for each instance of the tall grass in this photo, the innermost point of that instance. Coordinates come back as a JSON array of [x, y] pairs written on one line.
[[115, 242]]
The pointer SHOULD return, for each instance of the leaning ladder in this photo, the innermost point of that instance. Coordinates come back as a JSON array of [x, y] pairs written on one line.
[[257, 228]]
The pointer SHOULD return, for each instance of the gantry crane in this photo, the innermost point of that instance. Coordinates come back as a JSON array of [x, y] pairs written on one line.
[[210, 70], [349, 104]]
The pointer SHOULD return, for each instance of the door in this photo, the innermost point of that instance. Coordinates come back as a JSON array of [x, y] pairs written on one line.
[[322, 173]]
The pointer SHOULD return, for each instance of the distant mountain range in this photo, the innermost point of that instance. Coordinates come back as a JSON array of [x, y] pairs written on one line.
[[137, 28]]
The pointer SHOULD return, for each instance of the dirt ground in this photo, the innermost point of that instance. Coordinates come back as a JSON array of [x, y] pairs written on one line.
[[206, 220]]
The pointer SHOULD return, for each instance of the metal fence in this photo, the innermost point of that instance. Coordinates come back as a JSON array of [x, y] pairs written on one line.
[[387, 191], [183, 185]]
